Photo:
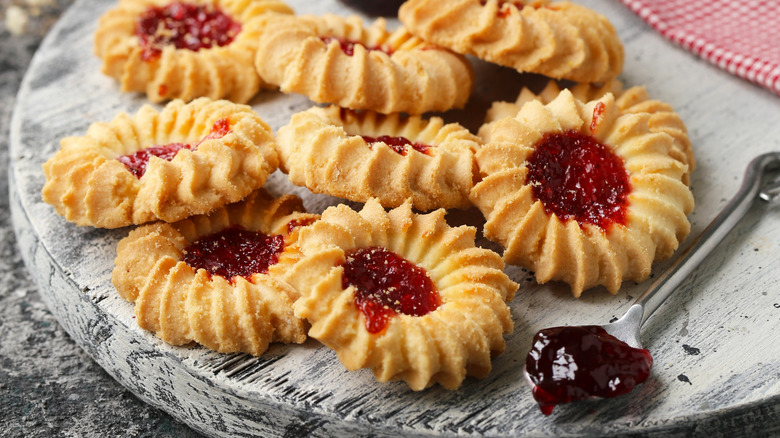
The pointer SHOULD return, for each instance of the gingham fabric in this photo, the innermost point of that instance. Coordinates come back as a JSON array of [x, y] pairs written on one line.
[[739, 36]]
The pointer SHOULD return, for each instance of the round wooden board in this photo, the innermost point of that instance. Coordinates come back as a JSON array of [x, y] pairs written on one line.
[[717, 358]]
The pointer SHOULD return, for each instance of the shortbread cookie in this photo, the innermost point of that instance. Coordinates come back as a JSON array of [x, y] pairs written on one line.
[[331, 59], [187, 159], [402, 294], [173, 49], [217, 279], [582, 192], [561, 40], [663, 118], [360, 155]]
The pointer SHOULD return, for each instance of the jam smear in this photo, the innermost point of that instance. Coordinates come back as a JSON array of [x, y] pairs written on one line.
[[398, 144], [504, 12], [386, 284], [576, 177], [219, 129], [300, 222], [184, 26], [348, 46], [234, 252], [137, 161], [567, 364], [598, 115]]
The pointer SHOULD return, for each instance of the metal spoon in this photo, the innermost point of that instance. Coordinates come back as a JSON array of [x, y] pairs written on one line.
[[627, 328], [753, 187]]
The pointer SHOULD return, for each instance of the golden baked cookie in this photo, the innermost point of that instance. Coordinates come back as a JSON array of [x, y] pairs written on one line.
[[561, 40], [217, 279], [582, 192], [187, 159], [663, 118], [360, 155], [172, 49], [332, 59], [403, 294]]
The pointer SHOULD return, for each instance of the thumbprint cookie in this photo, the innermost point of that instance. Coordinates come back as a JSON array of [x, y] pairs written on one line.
[[581, 192], [359, 155], [184, 49], [217, 279], [185, 160], [402, 294], [561, 40], [336, 60]]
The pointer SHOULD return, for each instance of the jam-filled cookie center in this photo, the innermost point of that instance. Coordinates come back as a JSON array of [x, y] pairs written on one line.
[[576, 177], [137, 161], [234, 252], [398, 144], [184, 26], [387, 284], [567, 364], [348, 46]]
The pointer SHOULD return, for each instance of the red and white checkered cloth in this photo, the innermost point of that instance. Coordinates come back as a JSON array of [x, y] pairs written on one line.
[[739, 36]]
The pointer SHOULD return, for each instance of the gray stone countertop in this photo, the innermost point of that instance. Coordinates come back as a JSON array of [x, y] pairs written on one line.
[[48, 385]]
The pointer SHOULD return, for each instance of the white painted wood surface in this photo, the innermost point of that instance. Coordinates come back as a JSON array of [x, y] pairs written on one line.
[[717, 359]]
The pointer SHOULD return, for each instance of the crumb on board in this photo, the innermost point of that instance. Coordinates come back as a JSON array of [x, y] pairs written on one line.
[[28, 16], [16, 20]]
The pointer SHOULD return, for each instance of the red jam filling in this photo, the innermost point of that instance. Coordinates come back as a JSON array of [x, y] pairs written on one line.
[[348, 46], [387, 284], [598, 115], [567, 364], [398, 144], [219, 129], [184, 26], [576, 177], [137, 161], [300, 222], [504, 12], [234, 252]]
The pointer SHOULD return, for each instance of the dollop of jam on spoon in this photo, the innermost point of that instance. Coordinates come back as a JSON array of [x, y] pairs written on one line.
[[567, 364]]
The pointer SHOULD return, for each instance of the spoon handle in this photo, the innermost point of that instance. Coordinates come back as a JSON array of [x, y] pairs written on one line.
[[687, 262]]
